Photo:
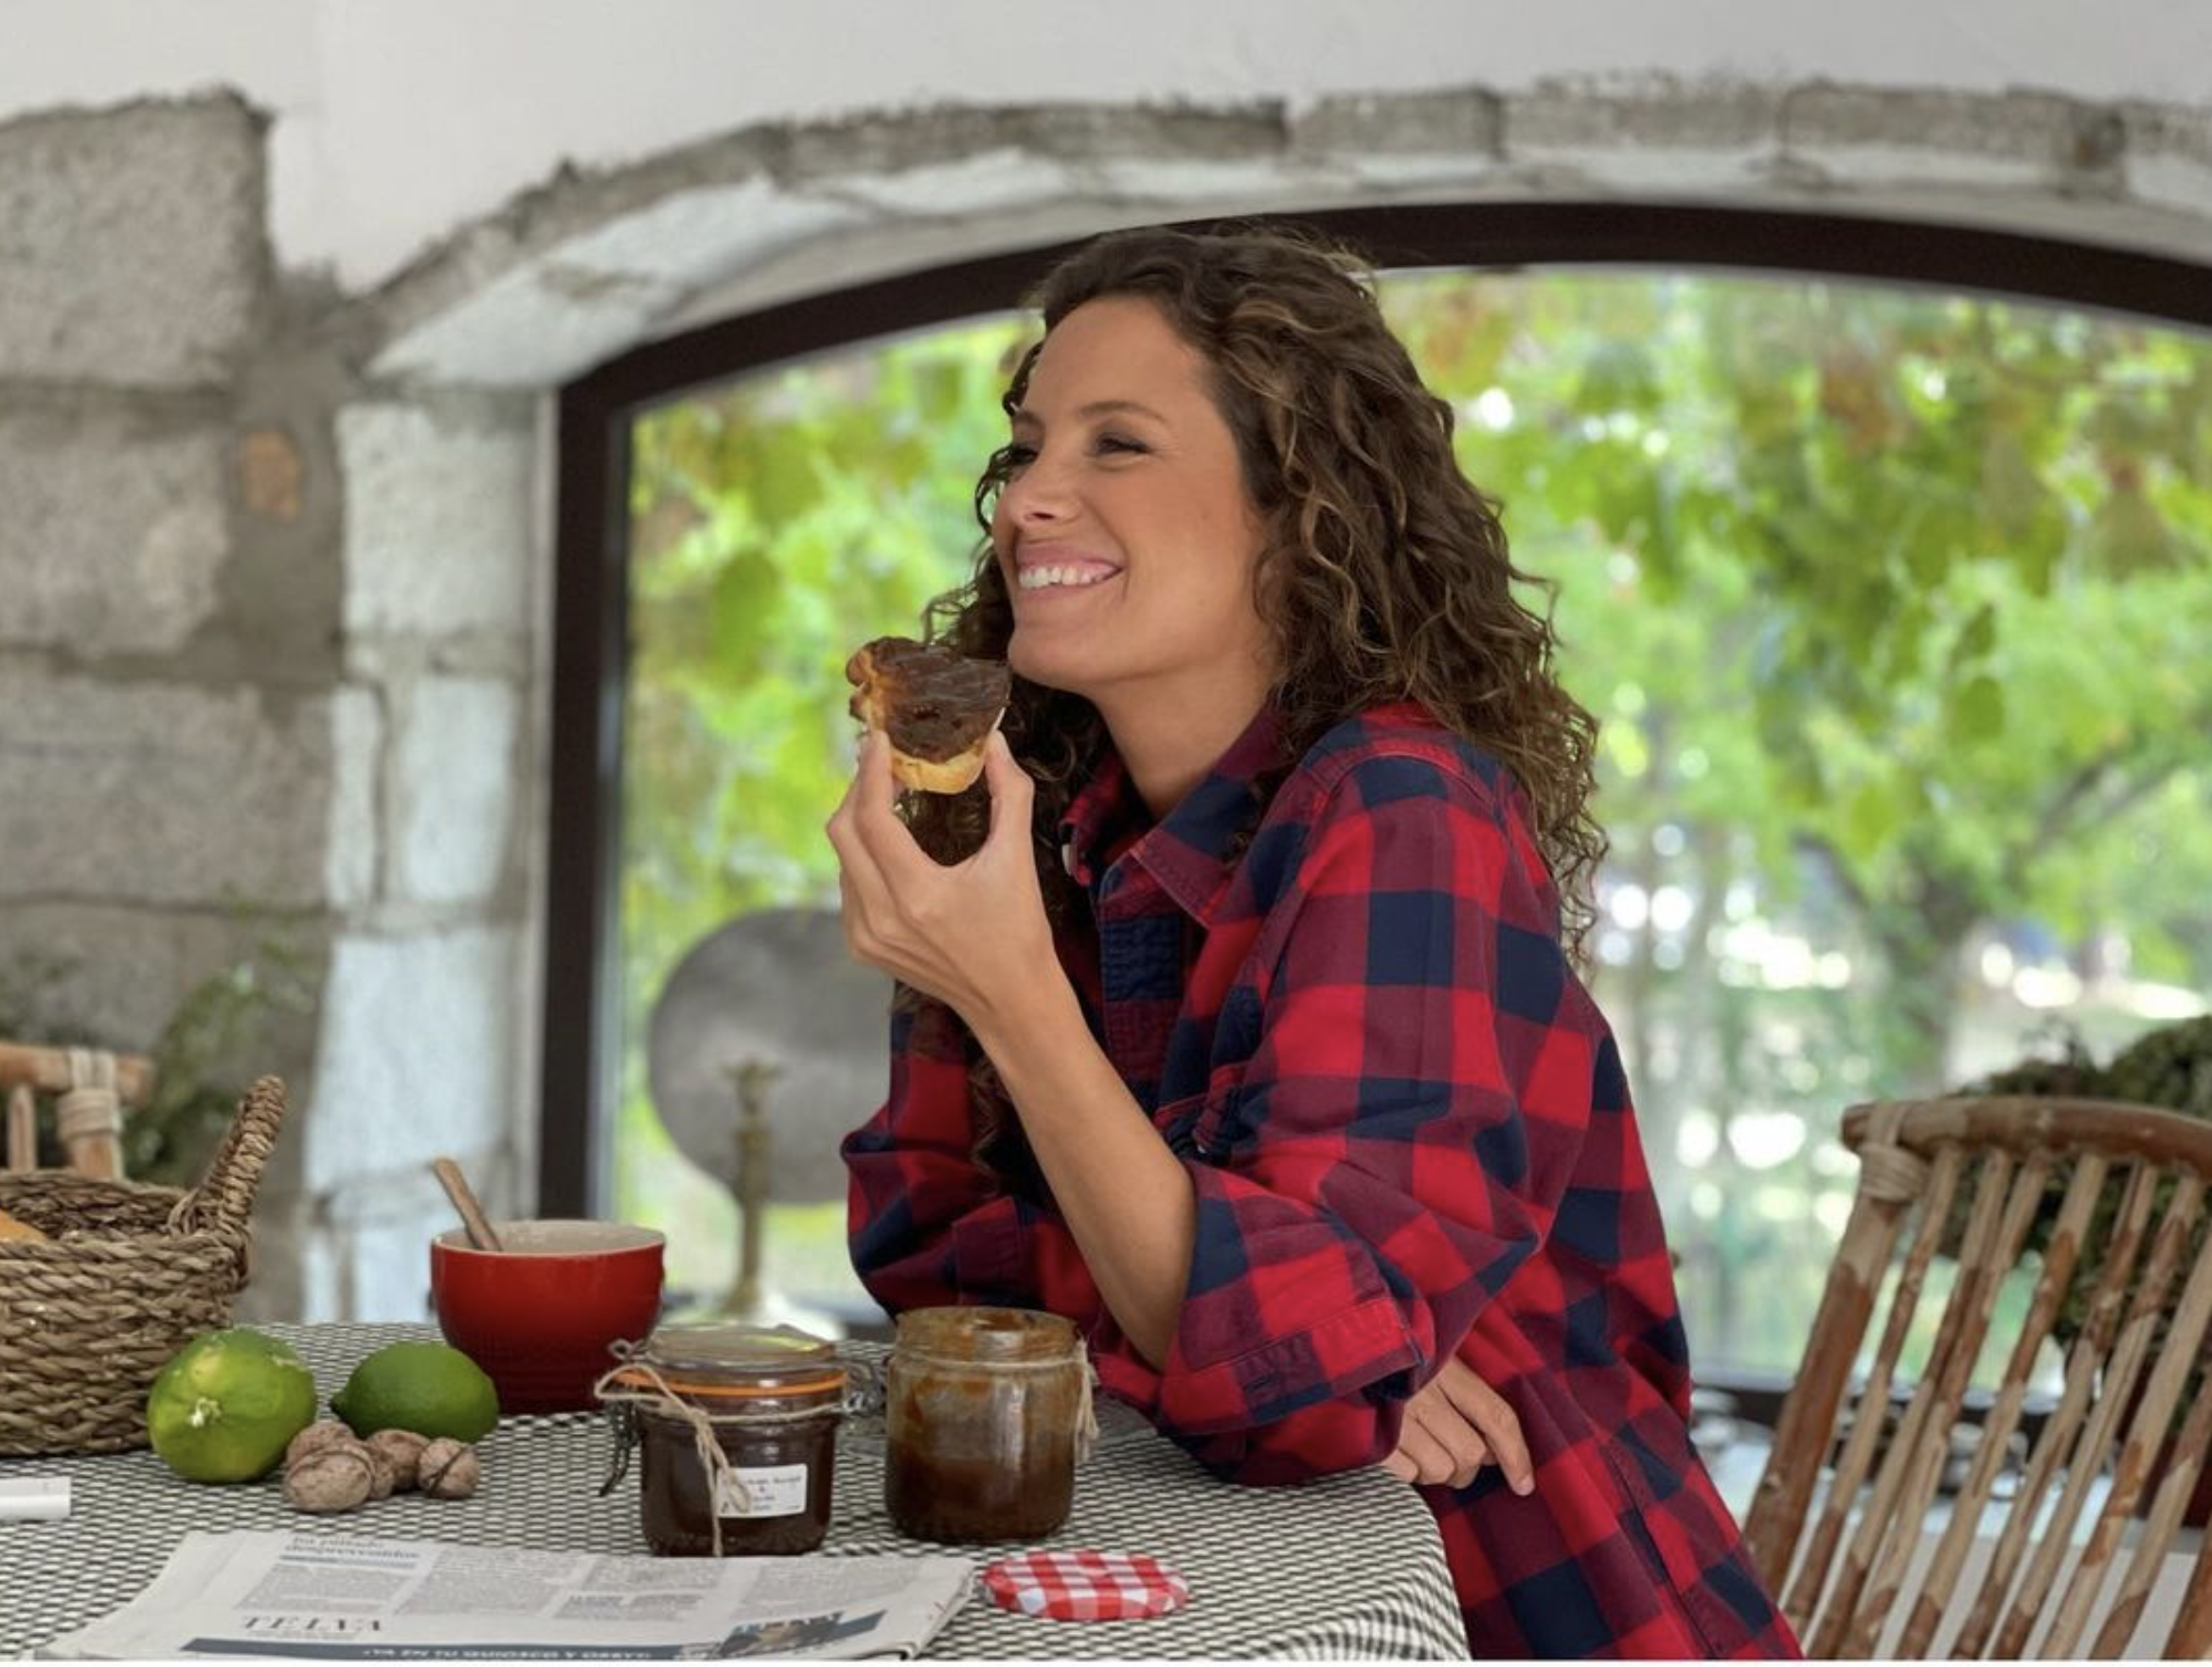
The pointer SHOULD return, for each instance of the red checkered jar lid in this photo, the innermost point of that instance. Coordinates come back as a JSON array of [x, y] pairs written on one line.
[[1085, 1585]]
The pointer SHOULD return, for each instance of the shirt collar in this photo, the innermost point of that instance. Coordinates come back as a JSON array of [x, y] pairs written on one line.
[[1187, 852]]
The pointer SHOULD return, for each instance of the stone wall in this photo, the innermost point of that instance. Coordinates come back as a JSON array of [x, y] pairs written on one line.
[[273, 576], [266, 638]]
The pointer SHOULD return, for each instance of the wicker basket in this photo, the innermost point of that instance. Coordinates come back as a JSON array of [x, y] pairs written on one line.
[[129, 1274]]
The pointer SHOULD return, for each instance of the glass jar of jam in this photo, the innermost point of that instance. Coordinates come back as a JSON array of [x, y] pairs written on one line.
[[738, 1428], [986, 1413]]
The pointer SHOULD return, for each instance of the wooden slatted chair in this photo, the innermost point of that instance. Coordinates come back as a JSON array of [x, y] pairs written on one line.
[[92, 1088], [1841, 1525]]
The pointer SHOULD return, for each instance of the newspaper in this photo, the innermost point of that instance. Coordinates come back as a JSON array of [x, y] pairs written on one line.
[[346, 1598]]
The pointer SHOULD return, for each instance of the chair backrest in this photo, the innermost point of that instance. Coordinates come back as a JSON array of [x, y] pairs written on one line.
[[92, 1088], [2110, 1199]]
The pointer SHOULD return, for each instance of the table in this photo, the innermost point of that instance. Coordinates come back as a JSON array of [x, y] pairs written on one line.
[[1347, 1566]]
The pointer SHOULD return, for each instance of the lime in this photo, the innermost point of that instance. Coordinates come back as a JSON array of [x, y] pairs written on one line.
[[225, 1405], [431, 1389]]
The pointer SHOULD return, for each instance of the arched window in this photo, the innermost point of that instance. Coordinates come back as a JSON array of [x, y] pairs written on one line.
[[1881, 553]]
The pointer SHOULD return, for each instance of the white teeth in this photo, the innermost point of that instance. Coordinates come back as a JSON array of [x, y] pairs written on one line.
[[1046, 578]]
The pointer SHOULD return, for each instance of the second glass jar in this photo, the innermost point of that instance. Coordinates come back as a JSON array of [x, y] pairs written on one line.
[[986, 1413]]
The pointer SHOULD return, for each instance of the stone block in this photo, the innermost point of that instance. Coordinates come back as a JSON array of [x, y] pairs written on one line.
[[534, 327], [1662, 114], [117, 974], [971, 184], [2168, 159], [439, 526], [416, 1053], [2179, 131], [2175, 183], [1197, 187], [820, 154], [824, 155], [1079, 133], [388, 1266], [115, 532], [365, 1253], [454, 787], [1867, 133], [698, 236], [352, 856], [134, 251], [318, 1268], [1466, 123], [364, 1271], [277, 1295], [160, 792]]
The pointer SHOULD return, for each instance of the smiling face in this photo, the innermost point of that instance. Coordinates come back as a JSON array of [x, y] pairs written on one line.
[[1123, 529]]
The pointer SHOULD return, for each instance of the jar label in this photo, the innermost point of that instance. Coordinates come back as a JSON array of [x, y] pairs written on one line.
[[769, 1490]]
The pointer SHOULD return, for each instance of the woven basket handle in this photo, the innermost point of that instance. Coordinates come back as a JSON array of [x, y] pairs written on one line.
[[224, 1200]]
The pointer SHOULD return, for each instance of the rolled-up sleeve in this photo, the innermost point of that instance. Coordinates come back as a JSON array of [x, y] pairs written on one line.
[[929, 1224]]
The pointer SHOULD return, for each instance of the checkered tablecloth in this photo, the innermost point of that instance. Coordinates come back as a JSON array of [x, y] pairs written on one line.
[[1347, 1568]]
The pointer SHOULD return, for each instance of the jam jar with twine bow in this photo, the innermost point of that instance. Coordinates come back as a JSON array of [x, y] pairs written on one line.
[[737, 1426], [987, 1412]]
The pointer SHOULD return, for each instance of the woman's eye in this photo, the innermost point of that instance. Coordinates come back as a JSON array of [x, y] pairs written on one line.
[[1121, 442], [1017, 455]]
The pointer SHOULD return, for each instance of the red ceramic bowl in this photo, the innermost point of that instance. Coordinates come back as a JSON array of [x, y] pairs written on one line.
[[539, 1316]]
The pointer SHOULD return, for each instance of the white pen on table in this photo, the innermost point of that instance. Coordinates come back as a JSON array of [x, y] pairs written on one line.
[[33, 1498]]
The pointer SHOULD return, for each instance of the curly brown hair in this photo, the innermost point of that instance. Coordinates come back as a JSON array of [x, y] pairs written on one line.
[[1384, 572]]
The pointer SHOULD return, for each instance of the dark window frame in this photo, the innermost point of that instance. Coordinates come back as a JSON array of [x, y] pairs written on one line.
[[592, 579]]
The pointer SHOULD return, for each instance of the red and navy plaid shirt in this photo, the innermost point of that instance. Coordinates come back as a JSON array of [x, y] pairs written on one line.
[[1409, 1136]]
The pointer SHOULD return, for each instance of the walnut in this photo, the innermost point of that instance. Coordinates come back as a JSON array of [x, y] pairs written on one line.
[[448, 1469], [330, 1478], [403, 1450], [384, 1475], [324, 1432]]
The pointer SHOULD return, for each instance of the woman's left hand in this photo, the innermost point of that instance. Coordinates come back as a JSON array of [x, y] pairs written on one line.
[[1454, 1424], [972, 935]]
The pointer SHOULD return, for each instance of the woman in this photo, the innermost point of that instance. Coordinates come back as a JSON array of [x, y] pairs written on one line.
[[1238, 1024]]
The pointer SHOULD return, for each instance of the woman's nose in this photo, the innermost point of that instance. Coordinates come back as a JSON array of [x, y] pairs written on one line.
[[1039, 493]]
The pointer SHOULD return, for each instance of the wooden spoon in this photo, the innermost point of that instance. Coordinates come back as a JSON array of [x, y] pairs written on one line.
[[457, 1188]]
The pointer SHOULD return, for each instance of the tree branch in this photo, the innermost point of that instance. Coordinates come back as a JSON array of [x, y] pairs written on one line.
[[2083, 788], [2050, 821], [1821, 852]]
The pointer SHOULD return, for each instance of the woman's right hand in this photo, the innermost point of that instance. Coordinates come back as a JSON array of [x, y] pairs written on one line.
[[1454, 1424], [973, 935]]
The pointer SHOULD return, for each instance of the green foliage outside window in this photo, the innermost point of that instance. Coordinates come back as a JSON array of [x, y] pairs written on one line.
[[1892, 606], [776, 526]]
